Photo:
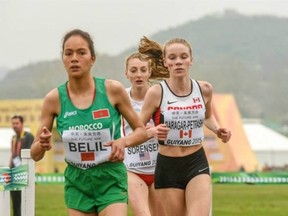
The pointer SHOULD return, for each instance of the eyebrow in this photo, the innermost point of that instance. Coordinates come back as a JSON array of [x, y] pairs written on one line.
[[80, 49]]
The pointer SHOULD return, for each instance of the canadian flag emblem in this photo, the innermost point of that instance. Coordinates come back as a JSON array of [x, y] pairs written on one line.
[[185, 133], [196, 100]]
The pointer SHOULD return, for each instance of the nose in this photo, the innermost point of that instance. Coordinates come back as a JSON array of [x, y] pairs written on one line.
[[74, 57], [178, 61], [138, 74]]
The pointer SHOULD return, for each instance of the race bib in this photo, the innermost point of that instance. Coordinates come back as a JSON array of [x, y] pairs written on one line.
[[86, 149], [185, 127], [141, 156]]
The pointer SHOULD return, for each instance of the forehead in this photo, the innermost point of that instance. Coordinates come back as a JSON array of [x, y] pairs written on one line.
[[16, 120], [137, 62], [76, 41], [176, 48]]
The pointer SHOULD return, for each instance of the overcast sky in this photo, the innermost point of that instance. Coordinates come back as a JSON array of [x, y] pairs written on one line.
[[32, 30]]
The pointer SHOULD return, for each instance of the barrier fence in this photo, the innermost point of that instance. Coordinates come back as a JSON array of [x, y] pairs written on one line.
[[19, 178], [23, 178], [250, 178], [217, 178]]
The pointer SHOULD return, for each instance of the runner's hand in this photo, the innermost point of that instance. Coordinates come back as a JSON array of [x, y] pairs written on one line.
[[45, 139], [224, 134], [117, 149], [161, 132]]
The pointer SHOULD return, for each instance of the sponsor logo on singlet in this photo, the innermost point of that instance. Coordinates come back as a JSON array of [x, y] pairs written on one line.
[[68, 114], [171, 102]]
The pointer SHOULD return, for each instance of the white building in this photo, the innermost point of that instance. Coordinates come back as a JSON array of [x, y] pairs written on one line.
[[270, 147]]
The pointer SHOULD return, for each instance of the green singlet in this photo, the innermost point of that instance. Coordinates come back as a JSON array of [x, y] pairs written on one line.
[[91, 181]]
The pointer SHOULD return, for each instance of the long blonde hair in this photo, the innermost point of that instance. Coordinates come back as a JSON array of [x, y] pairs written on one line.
[[156, 53]]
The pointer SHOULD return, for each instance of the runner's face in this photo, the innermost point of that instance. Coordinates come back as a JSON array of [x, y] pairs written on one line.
[[177, 59], [17, 125], [77, 57], [138, 72]]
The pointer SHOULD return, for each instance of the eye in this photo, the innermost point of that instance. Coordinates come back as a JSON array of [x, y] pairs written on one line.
[[184, 56], [67, 53], [171, 57], [133, 70], [144, 70], [82, 52]]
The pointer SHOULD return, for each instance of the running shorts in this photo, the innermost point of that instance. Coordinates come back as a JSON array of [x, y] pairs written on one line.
[[148, 179], [94, 189], [176, 172]]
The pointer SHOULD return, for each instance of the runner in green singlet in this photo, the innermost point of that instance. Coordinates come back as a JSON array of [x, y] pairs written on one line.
[[87, 111]]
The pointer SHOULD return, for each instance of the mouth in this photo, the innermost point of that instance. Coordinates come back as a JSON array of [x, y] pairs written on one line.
[[179, 69], [74, 68], [139, 81]]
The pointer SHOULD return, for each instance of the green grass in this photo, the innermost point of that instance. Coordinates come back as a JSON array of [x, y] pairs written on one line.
[[49, 200], [235, 200], [250, 200]]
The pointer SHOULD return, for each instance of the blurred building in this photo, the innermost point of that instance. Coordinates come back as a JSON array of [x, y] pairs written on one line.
[[237, 154], [31, 111], [270, 147]]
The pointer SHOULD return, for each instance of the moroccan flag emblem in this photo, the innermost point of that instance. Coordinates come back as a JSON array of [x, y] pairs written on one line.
[[103, 113], [87, 156]]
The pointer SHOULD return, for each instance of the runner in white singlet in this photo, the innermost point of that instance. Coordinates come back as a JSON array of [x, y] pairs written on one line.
[[184, 105], [140, 160]]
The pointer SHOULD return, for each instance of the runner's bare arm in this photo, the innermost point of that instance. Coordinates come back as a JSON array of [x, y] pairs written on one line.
[[119, 98], [50, 109], [151, 103], [210, 120]]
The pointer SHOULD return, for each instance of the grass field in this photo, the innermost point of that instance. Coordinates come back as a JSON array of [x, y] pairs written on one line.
[[228, 200]]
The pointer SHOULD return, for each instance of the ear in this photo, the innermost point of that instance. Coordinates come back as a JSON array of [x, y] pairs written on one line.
[[93, 60], [126, 74], [164, 63], [191, 62]]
